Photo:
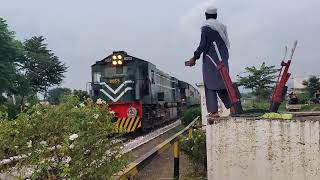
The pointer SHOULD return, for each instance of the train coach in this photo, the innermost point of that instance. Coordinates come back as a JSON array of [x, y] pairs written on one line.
[[139, 95]]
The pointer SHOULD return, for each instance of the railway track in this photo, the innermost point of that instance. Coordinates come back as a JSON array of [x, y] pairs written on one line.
[[133, 137], [134, 143]]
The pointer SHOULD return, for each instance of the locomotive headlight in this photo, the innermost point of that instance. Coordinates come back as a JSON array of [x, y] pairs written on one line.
[[119, 56], [119, 62], [114, 62], [114, 57]]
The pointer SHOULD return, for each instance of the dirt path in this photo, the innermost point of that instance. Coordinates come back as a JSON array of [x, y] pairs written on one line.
[[161, 168]]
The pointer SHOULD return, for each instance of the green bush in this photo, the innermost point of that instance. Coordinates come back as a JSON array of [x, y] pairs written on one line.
[[254, 104], [13, 110], [66, 141], [3, 112], [303, 97], [311, 107], [263, 105], [190, 114], [195, 148], [21, 104]]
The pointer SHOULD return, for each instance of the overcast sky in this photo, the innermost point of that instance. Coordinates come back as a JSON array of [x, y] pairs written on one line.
[[167, 32]]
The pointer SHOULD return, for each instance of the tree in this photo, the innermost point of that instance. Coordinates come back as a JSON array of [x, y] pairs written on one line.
[[312, 85], [42, 68], [12, 80], [259, 80], [82, 95], [8, 55], [56, 95]]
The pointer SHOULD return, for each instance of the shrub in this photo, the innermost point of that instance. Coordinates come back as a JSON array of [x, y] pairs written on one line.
[[311, 107], [65, 141], [190, 114], [13, 110], [195, 148], [3, 112]]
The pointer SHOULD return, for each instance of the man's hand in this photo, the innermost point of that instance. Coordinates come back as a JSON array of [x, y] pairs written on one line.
[[191, 62]]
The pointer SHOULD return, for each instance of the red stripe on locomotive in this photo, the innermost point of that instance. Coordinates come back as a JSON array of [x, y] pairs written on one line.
[[121, 108]]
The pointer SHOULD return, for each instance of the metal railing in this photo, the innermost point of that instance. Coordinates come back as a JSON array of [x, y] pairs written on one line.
[[136, 166]]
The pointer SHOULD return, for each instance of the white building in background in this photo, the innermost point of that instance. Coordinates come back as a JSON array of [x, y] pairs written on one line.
[[298, 81]]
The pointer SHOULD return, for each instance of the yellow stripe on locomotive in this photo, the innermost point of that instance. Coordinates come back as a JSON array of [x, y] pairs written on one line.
[[128, 124]]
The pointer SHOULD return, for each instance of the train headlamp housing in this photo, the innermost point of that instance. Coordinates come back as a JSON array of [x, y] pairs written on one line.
[[117, 58]]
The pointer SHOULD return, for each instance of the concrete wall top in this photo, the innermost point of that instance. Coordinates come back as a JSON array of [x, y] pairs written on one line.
[[248, 149]]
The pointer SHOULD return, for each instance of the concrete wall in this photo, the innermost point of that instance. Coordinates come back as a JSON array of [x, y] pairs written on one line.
[[246, 149]]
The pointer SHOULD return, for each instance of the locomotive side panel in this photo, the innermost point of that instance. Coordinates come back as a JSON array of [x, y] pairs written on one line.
[[163, 99], [161, 84], [193, 96]]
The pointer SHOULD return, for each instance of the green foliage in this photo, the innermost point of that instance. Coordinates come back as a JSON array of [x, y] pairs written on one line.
[[246, 95], [2, 99], [25, 68], [42, 68], [260, 80], [65, 141], [190, 114], [260, 104], [55, 95], [3, 113], [312, 85], [82, 95], [253, 104], [195, 148], [303, 97], [8, 55], [12, 109], [311, 107], [13, 106]]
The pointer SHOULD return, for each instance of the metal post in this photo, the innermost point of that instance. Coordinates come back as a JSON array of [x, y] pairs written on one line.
[[176, 154], [190, 132]]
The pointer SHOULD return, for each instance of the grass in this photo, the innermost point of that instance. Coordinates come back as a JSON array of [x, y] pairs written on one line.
[[261, 104], [311, 107], [264, 104]]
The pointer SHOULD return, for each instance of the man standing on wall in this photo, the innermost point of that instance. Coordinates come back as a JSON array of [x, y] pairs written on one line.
[[213, 31]]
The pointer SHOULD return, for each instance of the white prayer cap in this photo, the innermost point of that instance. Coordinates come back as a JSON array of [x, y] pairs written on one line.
[[211, 10]]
